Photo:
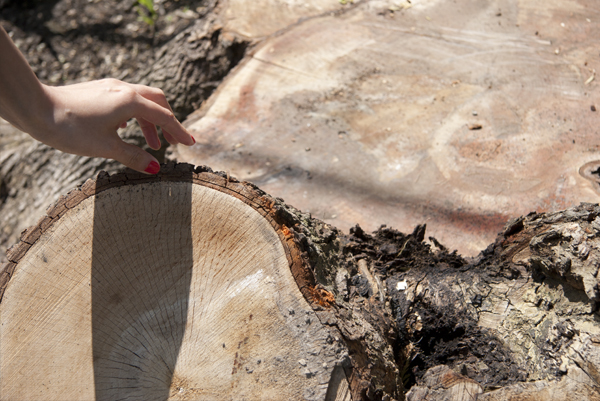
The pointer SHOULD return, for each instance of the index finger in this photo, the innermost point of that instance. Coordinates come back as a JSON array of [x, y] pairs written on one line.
[[163, 117], [155, 94]]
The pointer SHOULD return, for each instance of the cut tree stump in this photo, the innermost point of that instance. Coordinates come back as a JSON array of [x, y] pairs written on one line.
[[408, 112], [184, 286], [191, 285]]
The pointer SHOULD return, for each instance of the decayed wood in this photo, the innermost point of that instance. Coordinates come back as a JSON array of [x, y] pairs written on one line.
[[521, 318], [442, 383], [521, 322]]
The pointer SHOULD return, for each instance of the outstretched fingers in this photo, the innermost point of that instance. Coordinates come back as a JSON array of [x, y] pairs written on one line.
[[173, 131], [164, 118], [133, 157]]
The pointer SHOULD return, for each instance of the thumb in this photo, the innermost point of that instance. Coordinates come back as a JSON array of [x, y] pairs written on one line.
[[135, 158]]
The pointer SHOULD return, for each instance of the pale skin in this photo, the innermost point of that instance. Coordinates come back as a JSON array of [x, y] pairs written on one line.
[[83, 119]]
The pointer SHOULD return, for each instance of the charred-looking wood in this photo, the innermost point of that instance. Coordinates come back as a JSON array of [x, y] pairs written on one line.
[[520, 319], [489, 327]]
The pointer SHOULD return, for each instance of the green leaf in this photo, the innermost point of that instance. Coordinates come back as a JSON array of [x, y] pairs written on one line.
[[149, 6]]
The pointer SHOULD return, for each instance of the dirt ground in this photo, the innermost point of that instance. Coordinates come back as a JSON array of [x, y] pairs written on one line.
[[69, 41]]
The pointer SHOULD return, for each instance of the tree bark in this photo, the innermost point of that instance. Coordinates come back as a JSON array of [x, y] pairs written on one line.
[[103, 293]]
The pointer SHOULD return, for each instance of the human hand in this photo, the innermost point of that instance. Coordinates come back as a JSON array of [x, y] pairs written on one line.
[[83, 119]]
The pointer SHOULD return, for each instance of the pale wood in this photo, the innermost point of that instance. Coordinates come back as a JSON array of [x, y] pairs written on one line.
[[574, 387], [140, 282], [508, 311], [260, 18], [368, 115]]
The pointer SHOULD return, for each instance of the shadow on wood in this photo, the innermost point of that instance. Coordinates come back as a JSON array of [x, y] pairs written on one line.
[[142, 264], [182, 286]]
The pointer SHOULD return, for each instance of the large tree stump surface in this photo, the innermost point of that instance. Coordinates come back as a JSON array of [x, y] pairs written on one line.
[[141, 288], [403, 113]]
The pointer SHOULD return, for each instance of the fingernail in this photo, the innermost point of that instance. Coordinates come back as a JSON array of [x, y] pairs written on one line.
[[153, 168], [193, 139]]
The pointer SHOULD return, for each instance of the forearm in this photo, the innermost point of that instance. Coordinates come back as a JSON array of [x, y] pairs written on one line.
[[23, 101], [83, 119]]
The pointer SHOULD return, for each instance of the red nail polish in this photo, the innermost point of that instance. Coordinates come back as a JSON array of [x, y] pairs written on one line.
[[193, 139], [153, 167]]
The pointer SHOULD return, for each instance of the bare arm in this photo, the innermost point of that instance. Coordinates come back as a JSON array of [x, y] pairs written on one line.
[[83, 118], [20, 91]]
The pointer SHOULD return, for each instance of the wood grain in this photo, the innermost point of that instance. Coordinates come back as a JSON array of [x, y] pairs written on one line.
[[171, 287]]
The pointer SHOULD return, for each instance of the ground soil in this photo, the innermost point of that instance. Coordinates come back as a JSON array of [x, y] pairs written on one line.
[[69, 41]]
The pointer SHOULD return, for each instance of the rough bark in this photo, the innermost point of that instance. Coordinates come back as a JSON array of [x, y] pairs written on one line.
[[189, 67]]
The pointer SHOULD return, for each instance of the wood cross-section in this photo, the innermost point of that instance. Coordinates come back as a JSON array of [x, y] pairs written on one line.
[[179, 287]]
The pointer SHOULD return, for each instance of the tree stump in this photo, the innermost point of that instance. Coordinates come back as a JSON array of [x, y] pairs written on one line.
[[186, 286], [408, 112]]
